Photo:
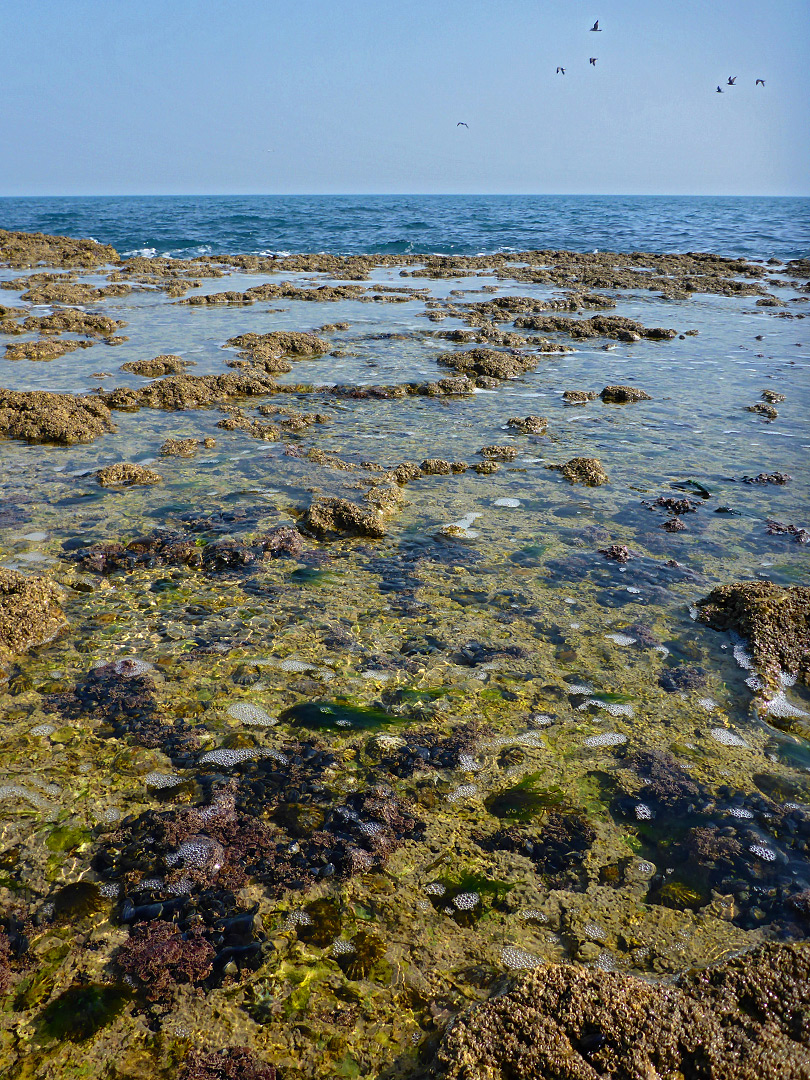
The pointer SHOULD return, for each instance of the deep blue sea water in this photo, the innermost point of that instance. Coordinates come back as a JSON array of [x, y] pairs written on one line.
[[185, 226]]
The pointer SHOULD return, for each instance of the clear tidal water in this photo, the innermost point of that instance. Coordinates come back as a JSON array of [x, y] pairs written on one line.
[[488, 609]]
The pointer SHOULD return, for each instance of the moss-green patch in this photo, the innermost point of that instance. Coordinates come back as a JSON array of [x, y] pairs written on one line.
[[81, 1011], [337, 716], [524, 801]]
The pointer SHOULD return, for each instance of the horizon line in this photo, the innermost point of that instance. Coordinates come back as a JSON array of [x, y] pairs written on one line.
[[405, 194]]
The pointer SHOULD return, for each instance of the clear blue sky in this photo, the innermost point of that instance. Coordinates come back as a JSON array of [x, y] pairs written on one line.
[[263, 96]]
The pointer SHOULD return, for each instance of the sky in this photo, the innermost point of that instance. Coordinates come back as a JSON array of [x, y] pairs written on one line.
[[109, 97]]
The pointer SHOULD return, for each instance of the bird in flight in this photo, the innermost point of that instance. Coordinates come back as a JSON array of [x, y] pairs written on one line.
[[719, 90], [731, 81], [759, 82], [595, 27], [462, 124], [560, 71], [593, 60]]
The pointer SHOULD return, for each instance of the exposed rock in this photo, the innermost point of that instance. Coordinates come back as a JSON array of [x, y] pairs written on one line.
[[618, 395], [528, 425], [673, 525], [72, 321], [38, 416], [166, 364], [579, 397], [29, 612], [266, 350], [185, 447], [489, 363], [22, 249], [619, 553], [43, 349], [773, 619], [440, 467], [499, 453], [486, 468], [743, 1020], [189, 391], [772, 397], [126, 473], [329, 517], [609, 326], [759, 407], [583, 470], [779, 478]]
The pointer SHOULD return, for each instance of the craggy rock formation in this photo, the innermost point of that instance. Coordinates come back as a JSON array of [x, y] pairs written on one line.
[[579, 397], [330, 517], [234, 1063], [760, 408], [583, 470], [29, 612], [34, 249], [619, 395], [266, 351], [499, 453], [185, 447], [489, 363], [125, 473], [440, 467], [744, 1020], [43, 349], [38, 416], [165, 364], [773, 619], [528, 425], [189, 391], [610, 326]]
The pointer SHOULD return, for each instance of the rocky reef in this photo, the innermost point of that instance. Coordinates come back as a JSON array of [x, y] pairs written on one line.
[[743, 1020], [30, 612], [40, 417]]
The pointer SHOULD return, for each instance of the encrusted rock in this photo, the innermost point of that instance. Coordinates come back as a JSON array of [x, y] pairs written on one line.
[[38, 416], [775, 621], [743, 1020], [185, 447], [125, 473], [489, 363], [579, 397], [440, 467], [22, 249], [499, 453], [583, 470], [43, 349], [29, 612], [763, 409], [619, 395], [165, 364], [189, 391], [528, 425], [329, 517]]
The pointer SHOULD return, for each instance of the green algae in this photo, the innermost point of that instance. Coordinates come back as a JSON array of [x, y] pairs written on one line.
[[524, 801], [81, 1011], [336, 716]]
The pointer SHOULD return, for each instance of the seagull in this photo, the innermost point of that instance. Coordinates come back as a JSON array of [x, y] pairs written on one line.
[[595, 27], [759, 82], [462, 124], [731, 81], [719, 90], [560, 71], [593, 60]]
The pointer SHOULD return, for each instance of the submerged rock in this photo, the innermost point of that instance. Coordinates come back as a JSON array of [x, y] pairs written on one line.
[[125, 473], [185, 447], [233, 1063], [775, 621], [583, 470], [29, 612], [38, 416], [744, 1020]]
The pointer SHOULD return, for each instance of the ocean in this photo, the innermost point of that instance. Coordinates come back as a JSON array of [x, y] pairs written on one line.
[[187, 226]]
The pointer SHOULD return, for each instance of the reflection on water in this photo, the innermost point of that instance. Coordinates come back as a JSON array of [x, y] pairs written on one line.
[[343, 790]]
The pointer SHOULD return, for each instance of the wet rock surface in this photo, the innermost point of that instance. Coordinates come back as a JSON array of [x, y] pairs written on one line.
[[742, 1019], [37, 416], [583, 470], [30, 612], [125, 473]]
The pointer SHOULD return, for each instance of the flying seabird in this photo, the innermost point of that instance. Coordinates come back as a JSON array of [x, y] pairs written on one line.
[[719, 90], [560, 70], [595, 27], [731, 81], [462, 124], [594, 59], [759, 82]]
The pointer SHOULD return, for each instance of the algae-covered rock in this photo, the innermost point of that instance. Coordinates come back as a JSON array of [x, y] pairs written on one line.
[[125, 473], [165, 364], [440, 467], [775, 621], [29, 612], [38, 416], [185, 447], [488, 362], [189, 391], [620, 395], [499, 453], [761, 408], [744, 1020], [32, 249], [331, 517], [528, 425], [579, 397], [268, 347], [42, 349], [232, 1063], [583, 470]]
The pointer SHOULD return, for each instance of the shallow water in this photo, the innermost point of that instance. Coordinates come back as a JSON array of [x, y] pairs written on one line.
[[512, 622]]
